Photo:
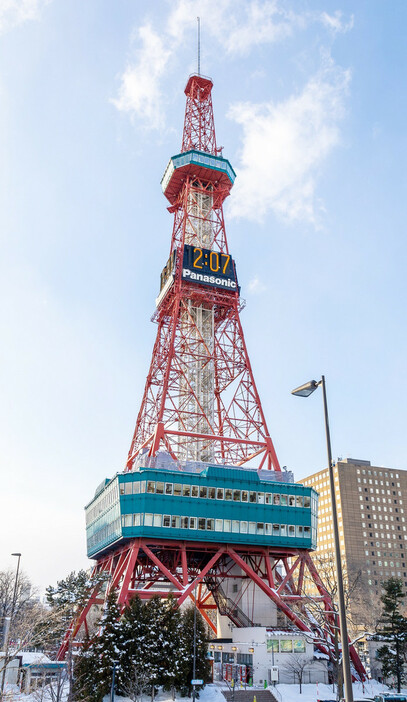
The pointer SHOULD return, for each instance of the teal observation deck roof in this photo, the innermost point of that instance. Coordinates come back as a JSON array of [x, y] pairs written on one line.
[[200, 164], [218, 504]]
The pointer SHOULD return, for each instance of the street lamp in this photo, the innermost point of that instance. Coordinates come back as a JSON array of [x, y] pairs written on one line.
[[304, 391], [115, 663], [8, 625]]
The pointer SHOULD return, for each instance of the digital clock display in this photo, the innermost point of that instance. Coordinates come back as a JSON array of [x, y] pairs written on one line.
[[209, 268]]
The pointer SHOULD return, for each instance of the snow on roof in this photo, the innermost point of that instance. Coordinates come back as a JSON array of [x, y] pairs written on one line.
[[33, 657]]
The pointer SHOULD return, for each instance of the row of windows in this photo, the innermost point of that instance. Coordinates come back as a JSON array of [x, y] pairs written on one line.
[[102, 535], [202, 491], [105, 500], [285, 646], [226, 525]]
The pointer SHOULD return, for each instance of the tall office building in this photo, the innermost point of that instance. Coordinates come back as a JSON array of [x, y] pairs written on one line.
[[371, 503]]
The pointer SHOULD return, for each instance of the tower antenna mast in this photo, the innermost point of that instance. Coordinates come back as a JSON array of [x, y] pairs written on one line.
[[199, 45]]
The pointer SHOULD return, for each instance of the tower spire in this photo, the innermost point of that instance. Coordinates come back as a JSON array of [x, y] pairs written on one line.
[[199, 45]]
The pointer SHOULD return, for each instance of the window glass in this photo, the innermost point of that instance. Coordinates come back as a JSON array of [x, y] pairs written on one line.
[[184, 522], [272, 645], [276, 530], [136, 519], [299, 530], [299, 501], [235, 526], [150, 486], [260, 498], [299, 645], [157, 520], [186, 490], [143, 486], [245, 496], [218, 524], [291, 500], [243, 527], [260, 528], [283, 530], [228, 494], [286, 646], [175, 522], [276, 499], [268, 529], [128, 520], [211, 493], [192, 522], [283, 500], [166, 520], [159, 488], [269, 498], [219, 494], [148, 520], [136, 488], [253, 497], [236, 495], [252, 527], [307, 501], [194, 491], [226, 525], [122, 486], [210, 524], [291, 530], [177, 489], [203, 491], [168, 488], [128, 488], [201, 523], [307, 531]]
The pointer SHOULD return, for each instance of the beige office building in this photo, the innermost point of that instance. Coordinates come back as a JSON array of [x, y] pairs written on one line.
[[372, 511]]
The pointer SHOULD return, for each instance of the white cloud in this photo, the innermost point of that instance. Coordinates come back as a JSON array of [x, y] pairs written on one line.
[[15, 12], [336, 23], [256, 287], [140, 91], [284, 145]]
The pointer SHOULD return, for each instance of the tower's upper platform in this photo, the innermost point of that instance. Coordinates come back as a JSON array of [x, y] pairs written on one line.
[[198, 164]]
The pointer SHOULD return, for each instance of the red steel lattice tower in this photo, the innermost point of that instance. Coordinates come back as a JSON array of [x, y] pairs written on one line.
[[200, 400]]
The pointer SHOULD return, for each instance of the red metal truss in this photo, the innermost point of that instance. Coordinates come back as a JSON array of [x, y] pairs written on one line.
[[197, 571], [199, 125]]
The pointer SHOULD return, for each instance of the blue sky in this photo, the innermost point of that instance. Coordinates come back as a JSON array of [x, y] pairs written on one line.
[[310, 106]]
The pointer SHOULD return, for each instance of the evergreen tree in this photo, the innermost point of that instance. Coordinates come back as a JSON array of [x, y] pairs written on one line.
[[202, 666], [173, 647], [107, 647], [392, 630], [133, 677], [85, 671]]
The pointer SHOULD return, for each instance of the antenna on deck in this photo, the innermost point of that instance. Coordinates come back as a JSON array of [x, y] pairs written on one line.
[[199, 45]]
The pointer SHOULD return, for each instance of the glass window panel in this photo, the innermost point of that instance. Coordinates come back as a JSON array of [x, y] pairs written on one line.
[[268, 529], [122, 486], [299, 501], [192, 522], [245, 496], [283, 500], [218, 524], [219, 494], [136, 488], [276, 530], [276, 499], [291, 530], [211, 493], [268, 498], [175, 522], [128, 520], [243, 527], [235, 526], [252, 527], [283, 530], [166, 520], [286, 646], [148, 520], [260, 528], [299, 530], [159, 488], [157, 520], [291, 500], [272, 645], [228, 494], [260, 498], [236, 495], [168, 488], [194, 491], [298, 645], [307, 501], [128, 489], [307, 531], [201, 523], [186, 490], [136, 519], [226, 525], [184, 522], [177, 489], [203, 491], [150, 486], [143, 486], [210, 524], [253, 497]]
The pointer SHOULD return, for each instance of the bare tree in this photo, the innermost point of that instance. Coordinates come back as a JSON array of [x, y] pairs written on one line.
[[296, 664], [137, 682], [51, 689]]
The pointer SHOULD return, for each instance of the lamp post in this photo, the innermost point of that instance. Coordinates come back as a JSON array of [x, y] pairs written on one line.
[[115, 663], [7, 632], [304, 391]]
